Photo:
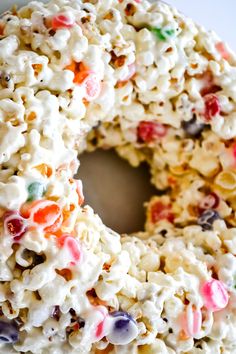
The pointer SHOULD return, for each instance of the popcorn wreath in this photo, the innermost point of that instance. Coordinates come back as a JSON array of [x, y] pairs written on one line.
[[143, 79]]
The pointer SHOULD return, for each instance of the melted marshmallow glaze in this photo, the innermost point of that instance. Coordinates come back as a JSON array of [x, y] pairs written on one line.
[[143, 79]]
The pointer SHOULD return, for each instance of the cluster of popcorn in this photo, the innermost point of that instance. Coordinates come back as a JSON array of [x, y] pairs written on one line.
[[143, 79]]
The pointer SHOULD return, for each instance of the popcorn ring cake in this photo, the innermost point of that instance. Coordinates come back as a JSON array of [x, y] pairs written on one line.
[[143, 79]]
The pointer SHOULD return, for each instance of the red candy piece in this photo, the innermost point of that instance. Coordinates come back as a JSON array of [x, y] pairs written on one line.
[[215, 295], [212, 106], [220, 46], [191, 321], [62, 21], [151, 131], [160, 211], [14, 224], [73, 246], [92, 86], [210, 201]]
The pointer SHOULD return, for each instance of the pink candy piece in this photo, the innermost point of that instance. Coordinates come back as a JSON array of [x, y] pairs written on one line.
[[191, 321], [132, 71], [62, 21], [234, 151], [92, 87], [151, 131], [73, 246], [215, 295], [220, 46], [101, 329]]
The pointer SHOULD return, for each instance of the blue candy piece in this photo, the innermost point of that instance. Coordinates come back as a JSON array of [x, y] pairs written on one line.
[[123, 314], [192, 127], [124, 328], [207, 218], [8, 332]]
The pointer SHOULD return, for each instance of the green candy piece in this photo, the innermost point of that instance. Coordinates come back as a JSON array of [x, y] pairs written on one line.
[[163, 34], [36, 191]]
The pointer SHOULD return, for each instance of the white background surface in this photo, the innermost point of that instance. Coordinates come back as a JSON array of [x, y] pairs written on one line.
[[213, 14], [218, 15]]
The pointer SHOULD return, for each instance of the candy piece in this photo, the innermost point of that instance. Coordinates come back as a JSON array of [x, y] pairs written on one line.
[[160, 211], [220, 46], [215, 295], [207, 219], [124, 328], [192, 127], [151, 131], [35, 190], [163, 33], [131, 73], [55, 226], [62, 21], [14, 224], [99, 330], [73, 246], [44, 169], [212, 106], [191, 321], [210, 201], [72, 66], [87, 79], [44, 213], [80, 70], [99, 317], [92, 87], [9, 332], [81, 76]]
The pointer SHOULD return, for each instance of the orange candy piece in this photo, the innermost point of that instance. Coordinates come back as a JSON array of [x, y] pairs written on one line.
[[44, 169], [44, 213], [71, 66], [81, 76], [80, 70]]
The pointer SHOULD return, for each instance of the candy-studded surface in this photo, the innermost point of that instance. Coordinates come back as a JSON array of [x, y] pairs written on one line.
[[143, 79]]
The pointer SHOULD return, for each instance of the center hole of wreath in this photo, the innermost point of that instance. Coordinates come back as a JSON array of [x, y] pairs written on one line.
[[115, 190]]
